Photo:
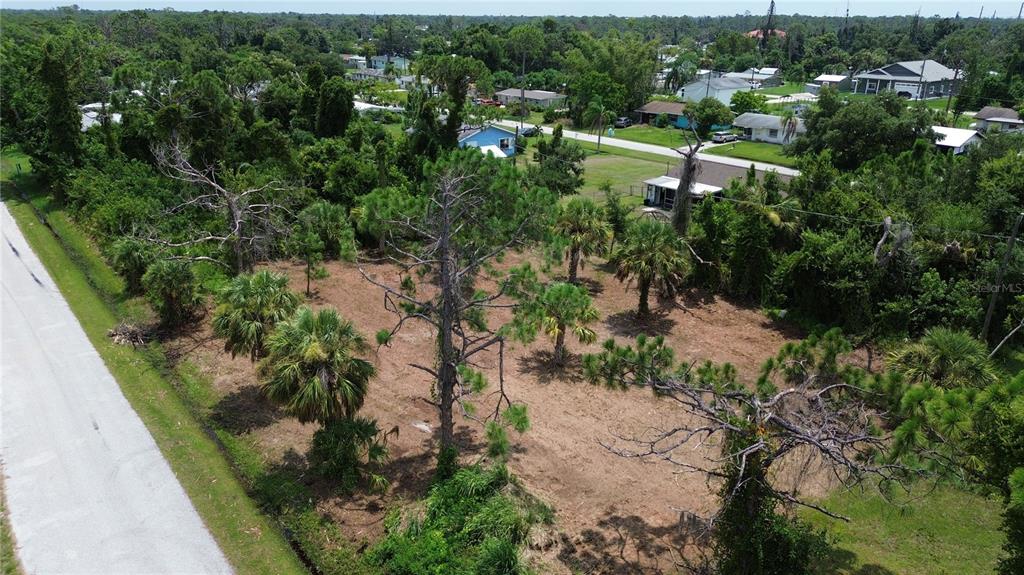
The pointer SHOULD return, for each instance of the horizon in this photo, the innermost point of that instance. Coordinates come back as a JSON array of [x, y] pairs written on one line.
[[1002, 9]]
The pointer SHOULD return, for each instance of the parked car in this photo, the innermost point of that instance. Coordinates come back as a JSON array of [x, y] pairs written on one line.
[[531, 131], [722, 137], [623, 122]]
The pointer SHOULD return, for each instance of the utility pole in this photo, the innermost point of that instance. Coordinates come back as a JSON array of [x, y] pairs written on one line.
[[999, 278], [522, 94]]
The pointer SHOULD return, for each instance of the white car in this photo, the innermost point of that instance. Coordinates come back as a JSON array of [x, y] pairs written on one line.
[[722, 137]]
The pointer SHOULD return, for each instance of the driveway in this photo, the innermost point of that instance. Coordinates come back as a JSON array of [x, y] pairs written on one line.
[[87, 488], [666, 151]]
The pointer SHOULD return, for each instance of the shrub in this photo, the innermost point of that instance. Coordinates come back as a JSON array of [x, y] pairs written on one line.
[[172, 289], [347, 450], [130, 258], [661, 121]]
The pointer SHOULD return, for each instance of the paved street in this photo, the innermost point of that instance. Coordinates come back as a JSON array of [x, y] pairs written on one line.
[[665, 151], [87, 488]]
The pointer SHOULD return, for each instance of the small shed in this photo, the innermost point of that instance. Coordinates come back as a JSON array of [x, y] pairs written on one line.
[[661, 191], [838, 81]]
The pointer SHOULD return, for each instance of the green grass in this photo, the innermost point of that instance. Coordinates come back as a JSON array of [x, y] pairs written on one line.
[[8, 560], [946, 532], [534, 119], [668, 137], [783, 90], [754, 151], [251, 542]]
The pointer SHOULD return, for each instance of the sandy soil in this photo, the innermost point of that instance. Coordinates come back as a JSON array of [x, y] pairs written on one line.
[[613, 514]]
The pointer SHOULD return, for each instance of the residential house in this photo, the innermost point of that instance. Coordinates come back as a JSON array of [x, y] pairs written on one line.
[[771, 33], [672, 110], [758, 77], [956, 140], [840, 82], [408, 82], [499, 141], [365, 107], [917, 79], [768, 128], [92, 115], [353, 61], [660, 192], [992, 118], [399, 63], [542, 98], [367, 75], [720, 89]]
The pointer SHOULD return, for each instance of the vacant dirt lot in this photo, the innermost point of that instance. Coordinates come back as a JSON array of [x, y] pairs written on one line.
[[614, 515]]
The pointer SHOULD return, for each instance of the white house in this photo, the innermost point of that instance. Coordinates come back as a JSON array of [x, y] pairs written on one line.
[[757, 77], [768, 128], [838, 81], [380, 62], [997, 119], [720, 89], [661, 191], [92, 115], [541, 98], [957, 140]]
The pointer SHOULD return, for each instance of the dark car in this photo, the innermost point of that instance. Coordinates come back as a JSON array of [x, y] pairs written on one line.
[[623, 122], [530, 131]]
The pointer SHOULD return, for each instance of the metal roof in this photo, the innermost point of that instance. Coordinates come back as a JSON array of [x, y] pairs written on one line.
[[916, 70], [830, 78], [953, 137], [754, 120], [531, 94], [671, 183]]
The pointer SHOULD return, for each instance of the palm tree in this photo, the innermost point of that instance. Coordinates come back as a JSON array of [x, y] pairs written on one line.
[[581, 221], [557, 309], [311, 368], [651, 254], [945, 358], [249, 307], [788, 122], [595, 114]]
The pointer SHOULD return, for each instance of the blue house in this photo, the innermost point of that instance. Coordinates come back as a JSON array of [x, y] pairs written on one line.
[[490, 138]]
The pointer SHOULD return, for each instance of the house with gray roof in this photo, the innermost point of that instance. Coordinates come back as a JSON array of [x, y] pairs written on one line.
[[994, 118], [542, 98], [768, 128], [917, 79], [720, 89]]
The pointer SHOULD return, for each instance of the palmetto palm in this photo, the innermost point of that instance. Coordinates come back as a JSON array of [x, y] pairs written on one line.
[[652, 254], [945, 358], [249, 307], [556, 310], [582, 222], [311, 368]]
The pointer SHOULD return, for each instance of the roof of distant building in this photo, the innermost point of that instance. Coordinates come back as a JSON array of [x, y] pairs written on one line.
[[993, 112], [662, 107], [531, 94]]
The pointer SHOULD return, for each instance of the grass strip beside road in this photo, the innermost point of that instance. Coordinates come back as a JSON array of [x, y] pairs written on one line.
[[248, 538]]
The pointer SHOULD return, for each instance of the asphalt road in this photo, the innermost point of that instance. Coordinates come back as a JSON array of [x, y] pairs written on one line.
[[87, 488], [666, 151]]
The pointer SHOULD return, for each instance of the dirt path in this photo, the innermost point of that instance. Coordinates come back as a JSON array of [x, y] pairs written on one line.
[[614, 515]]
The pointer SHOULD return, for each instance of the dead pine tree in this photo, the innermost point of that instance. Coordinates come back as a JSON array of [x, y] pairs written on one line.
[[254, 216], [807, 414], [478, 209], [689, 168]]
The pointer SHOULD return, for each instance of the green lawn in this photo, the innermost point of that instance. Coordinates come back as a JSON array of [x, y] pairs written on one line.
[[754, 151], [251, 542], [668, 137], [535, 118], [946, 532], [783, 90]]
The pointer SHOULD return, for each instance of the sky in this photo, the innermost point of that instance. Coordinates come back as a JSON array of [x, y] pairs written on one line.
[[1002, 8]]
